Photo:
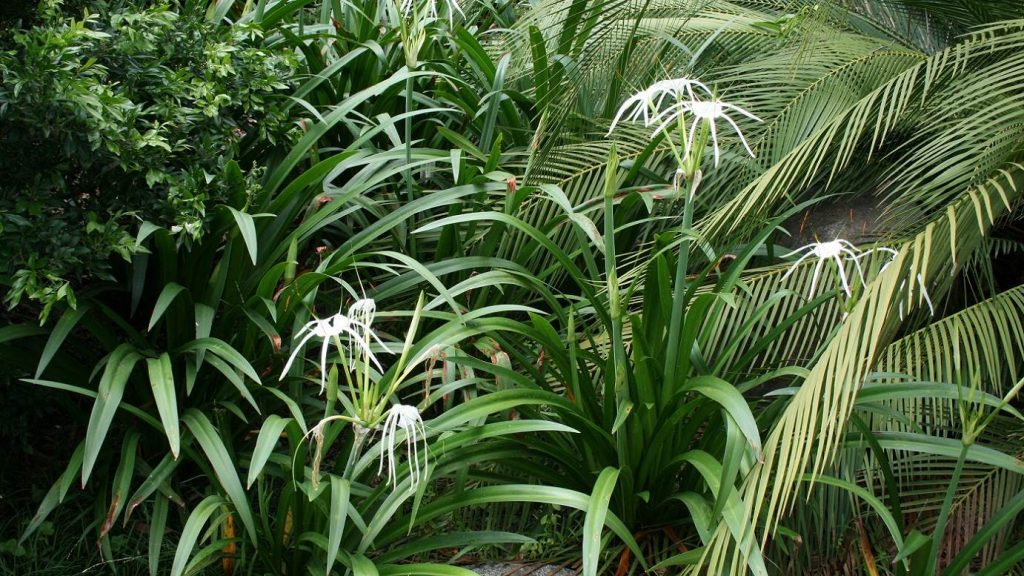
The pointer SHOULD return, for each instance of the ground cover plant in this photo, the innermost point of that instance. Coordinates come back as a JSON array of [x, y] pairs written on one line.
[[317, 285]]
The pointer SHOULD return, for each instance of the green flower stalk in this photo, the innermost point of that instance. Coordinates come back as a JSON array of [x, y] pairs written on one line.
[[668, 104]]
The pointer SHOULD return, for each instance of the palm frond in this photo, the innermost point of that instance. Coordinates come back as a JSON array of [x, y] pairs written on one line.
[[833, 145], [984, 342], [807, 434]]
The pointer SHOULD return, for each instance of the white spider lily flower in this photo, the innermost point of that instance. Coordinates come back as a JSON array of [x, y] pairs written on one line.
[[828, 251], [361, 314], [710, 111], [409, 7], [647, 104], [363, 310], [355, 327], [405, 418]]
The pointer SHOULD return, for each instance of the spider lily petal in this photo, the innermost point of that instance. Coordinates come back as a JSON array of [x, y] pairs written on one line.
[[678, 90], [408, 6], [406, 418], [295, 351], [833, 251], [356, 329], [712, 110], [362, 311]]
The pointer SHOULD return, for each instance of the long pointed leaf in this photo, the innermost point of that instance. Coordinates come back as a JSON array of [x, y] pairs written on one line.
[[223, 466], [161, 379], [115, 377]]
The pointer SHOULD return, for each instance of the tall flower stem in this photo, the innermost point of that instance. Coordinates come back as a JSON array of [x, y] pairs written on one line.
[[611, 276], [359, 438], [689, 167], [407, 173], [679, 289]]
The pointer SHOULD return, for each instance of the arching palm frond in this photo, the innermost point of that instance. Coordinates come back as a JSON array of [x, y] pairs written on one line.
[[592, 56], [984, 342], [808, 433], [975, 341], [833, 145], [945, 19], [775, 323], [800, 89]]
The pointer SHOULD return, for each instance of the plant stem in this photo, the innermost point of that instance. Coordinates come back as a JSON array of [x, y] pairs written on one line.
[[611, 275], [675, 328], [407, 173], [360, 433]]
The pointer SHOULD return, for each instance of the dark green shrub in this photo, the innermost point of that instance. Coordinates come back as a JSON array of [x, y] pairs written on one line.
[[108, 121]]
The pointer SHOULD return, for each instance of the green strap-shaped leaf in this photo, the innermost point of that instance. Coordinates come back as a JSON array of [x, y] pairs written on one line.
[[236, 380], [218, 10], [688, 558], [451, 540], [161, 379], [60, 332], [225, 352], [363, 566], [340, 491], [56, 493], [711, 470], [115, 376], [193, 528], [700, 513], [730, 399], [122, 481], [156, 479], [140, 414], [515, 493], [423, 570], [732, 459], [223, 466], [17, 331], [247, 227], [170, 291], [157, 522], [293, 408], [948, 447], [270, 432], [265, 326], [204, 324], [876, 505], [300, 150], [593, 524], [145, 229], [887, 392]]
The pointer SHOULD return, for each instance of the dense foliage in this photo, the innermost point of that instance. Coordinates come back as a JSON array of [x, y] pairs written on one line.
[[322, 280], [119, 117]]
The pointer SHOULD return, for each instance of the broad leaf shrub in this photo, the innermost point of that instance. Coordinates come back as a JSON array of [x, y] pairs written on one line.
[[117, 117]]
